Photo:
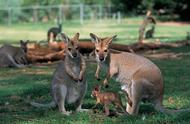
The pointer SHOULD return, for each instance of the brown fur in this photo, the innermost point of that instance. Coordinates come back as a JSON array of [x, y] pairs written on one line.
[[106, 98], [139, 77]]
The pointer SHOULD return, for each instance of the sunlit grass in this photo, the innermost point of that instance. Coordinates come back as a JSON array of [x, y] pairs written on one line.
[[127, 30]]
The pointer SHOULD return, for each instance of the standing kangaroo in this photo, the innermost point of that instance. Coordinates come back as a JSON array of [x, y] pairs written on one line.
[[150, 32], [55, 31], [69, 83], [12, 56], [139, 77], [106, 98]]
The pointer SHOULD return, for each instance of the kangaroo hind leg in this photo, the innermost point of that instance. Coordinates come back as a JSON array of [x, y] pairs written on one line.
[[135, 96], [60, 93]]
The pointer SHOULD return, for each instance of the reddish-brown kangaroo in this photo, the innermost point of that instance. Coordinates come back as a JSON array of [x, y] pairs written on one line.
[[140, 78]]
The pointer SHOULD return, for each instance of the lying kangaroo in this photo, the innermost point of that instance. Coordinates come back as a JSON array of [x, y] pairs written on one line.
[[69, 83], [138, 76], [12, 56], [106, 98]]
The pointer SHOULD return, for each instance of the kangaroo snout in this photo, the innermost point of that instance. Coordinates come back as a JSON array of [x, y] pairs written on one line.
[[101, 58], [106, 86], [74, 54]]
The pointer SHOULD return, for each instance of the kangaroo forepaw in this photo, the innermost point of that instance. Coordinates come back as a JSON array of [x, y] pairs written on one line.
[[97, 77], [80, 78]]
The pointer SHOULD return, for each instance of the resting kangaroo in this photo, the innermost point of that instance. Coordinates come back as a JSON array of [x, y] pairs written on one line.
[[69, 83], [12, 56], [138, 76]]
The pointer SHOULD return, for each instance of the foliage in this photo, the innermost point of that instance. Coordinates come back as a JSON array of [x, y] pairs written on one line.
[[175, 9], [168, 7]]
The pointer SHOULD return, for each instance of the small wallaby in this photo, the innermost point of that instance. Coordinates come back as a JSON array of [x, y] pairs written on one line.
[[150, 32], [12, 56], [55, 31], [69, 83], [140, 78], [106, 98]]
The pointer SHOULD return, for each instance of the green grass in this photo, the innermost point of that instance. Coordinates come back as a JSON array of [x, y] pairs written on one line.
[[19, 85], [127, 30]]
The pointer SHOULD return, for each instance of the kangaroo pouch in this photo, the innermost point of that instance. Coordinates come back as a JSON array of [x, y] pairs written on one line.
[[74, 93]]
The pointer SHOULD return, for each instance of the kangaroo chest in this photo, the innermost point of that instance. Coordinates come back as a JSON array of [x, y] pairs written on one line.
[[75, 67], [75, 93]]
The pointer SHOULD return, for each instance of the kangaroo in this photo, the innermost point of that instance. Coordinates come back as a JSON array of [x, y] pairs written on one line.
[[106, 98], [138, 76], [12, 56], [69, 83], [54, 45], [150, 32], [55, 31]]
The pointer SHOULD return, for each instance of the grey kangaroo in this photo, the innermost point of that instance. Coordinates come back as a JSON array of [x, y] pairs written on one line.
[[69, 84], [12, 56]]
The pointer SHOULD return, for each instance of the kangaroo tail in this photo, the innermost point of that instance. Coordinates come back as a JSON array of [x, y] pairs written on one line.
[[52, 104], [178, 111], [162, 109]]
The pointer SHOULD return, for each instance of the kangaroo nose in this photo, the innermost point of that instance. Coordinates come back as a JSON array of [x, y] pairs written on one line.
[[74, 54], [106, 86], [101, 58]]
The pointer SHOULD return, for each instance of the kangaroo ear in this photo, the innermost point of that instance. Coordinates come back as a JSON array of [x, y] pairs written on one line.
[[110, 39], [97, 88], [65, 38], [23, 45], [76, 37], [94, 38]]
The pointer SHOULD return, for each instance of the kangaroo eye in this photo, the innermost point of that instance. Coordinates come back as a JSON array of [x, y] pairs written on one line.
[[69, 49], [97, 50], [105, 50]]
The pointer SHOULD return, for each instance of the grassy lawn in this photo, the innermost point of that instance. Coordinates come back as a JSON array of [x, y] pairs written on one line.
[[127, 30], [17, 86], [33, 83]]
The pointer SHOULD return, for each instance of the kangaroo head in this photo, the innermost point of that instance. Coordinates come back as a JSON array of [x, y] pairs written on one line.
[[95, 91], [71, 46], [23, 45], [101, 46], [21, 57]]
